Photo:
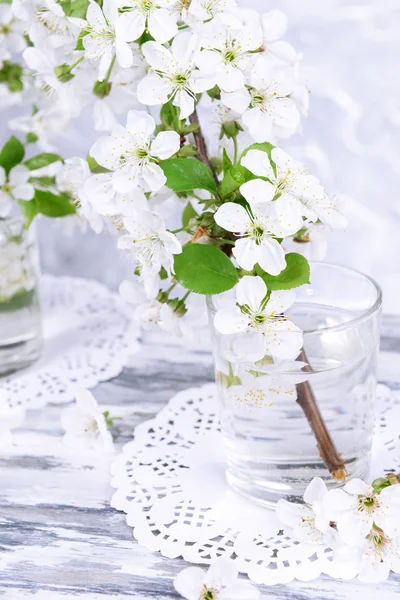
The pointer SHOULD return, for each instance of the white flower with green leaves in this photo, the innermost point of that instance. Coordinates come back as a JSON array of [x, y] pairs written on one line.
[[158, 17], [357, 508], [173, 75], [266, 102], [262, 312], [14, 186], [147, 238], [133, 153], [228, 53], [257, 228], [307, 521], [86, 425], [104, 40], [296, 193], [219, 583]]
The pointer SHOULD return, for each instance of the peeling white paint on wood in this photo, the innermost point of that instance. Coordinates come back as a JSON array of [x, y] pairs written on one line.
[[59, 538]]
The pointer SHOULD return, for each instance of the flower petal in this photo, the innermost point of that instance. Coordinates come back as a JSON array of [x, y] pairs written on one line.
[[165, 144], [257, 162], [289, 211], [154, 90], [140, 125], [158, 57], [257, 191], [284, 340], [189, 583], [222, 573], [251, 291], [315, 491], [162, 25], [232, 217], [230, 320], [280, 301], [271, 256], [86, 402], [131, 25]]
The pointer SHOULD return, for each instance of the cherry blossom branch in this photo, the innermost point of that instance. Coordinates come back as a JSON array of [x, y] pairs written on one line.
[[201, 145], [326, 446]]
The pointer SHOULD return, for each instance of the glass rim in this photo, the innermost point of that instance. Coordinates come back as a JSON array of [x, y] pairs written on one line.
[[356, 320]]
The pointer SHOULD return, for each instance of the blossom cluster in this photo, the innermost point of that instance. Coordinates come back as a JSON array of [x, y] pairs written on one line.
[[360, 523], [193, 97]]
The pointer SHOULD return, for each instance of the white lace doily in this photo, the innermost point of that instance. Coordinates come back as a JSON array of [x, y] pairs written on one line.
[[170, 481], [88, 336]]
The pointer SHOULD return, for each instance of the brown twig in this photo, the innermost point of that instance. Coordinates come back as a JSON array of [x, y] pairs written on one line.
[[328, 452], [201, 145]]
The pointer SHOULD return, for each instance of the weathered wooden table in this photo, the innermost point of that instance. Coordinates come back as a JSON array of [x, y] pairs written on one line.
[[59, 538]]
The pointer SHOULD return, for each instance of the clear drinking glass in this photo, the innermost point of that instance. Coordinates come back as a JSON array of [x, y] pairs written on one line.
[[271, 450], [20, 319]]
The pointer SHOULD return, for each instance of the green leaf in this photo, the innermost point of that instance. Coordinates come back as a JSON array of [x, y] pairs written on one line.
[[233, 179], [296, 273], [186, 174], [75, 8], [19, 300], [42, 160], [53, 205], [79, 42], [188, 214], [94, 165], [29, 210], [205, 269], [264, 147], [226, 161], [11, 154]]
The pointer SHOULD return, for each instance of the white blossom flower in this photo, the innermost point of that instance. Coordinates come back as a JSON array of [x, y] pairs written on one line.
[[149, 241], [98, 191], [256, 312], [377, 556], [11, 417], [132, 153], [228, 53], [356, 508], [274, 25], [11, 31], [158, 17], [219, 583], [15, 186], [72, 178], [45, 21], [307, 521], [43, 62], [371, 559], [86, 426], [104, 37], [297, 192], [259, 228], [47, 123], [265, 102], [205, 10], [174, 75]]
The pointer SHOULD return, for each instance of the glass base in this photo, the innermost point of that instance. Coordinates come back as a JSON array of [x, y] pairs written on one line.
[[265, 483], [19, 355]]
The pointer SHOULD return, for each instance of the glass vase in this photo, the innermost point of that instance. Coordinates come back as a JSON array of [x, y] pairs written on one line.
[[20, 319], [279, 418]]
